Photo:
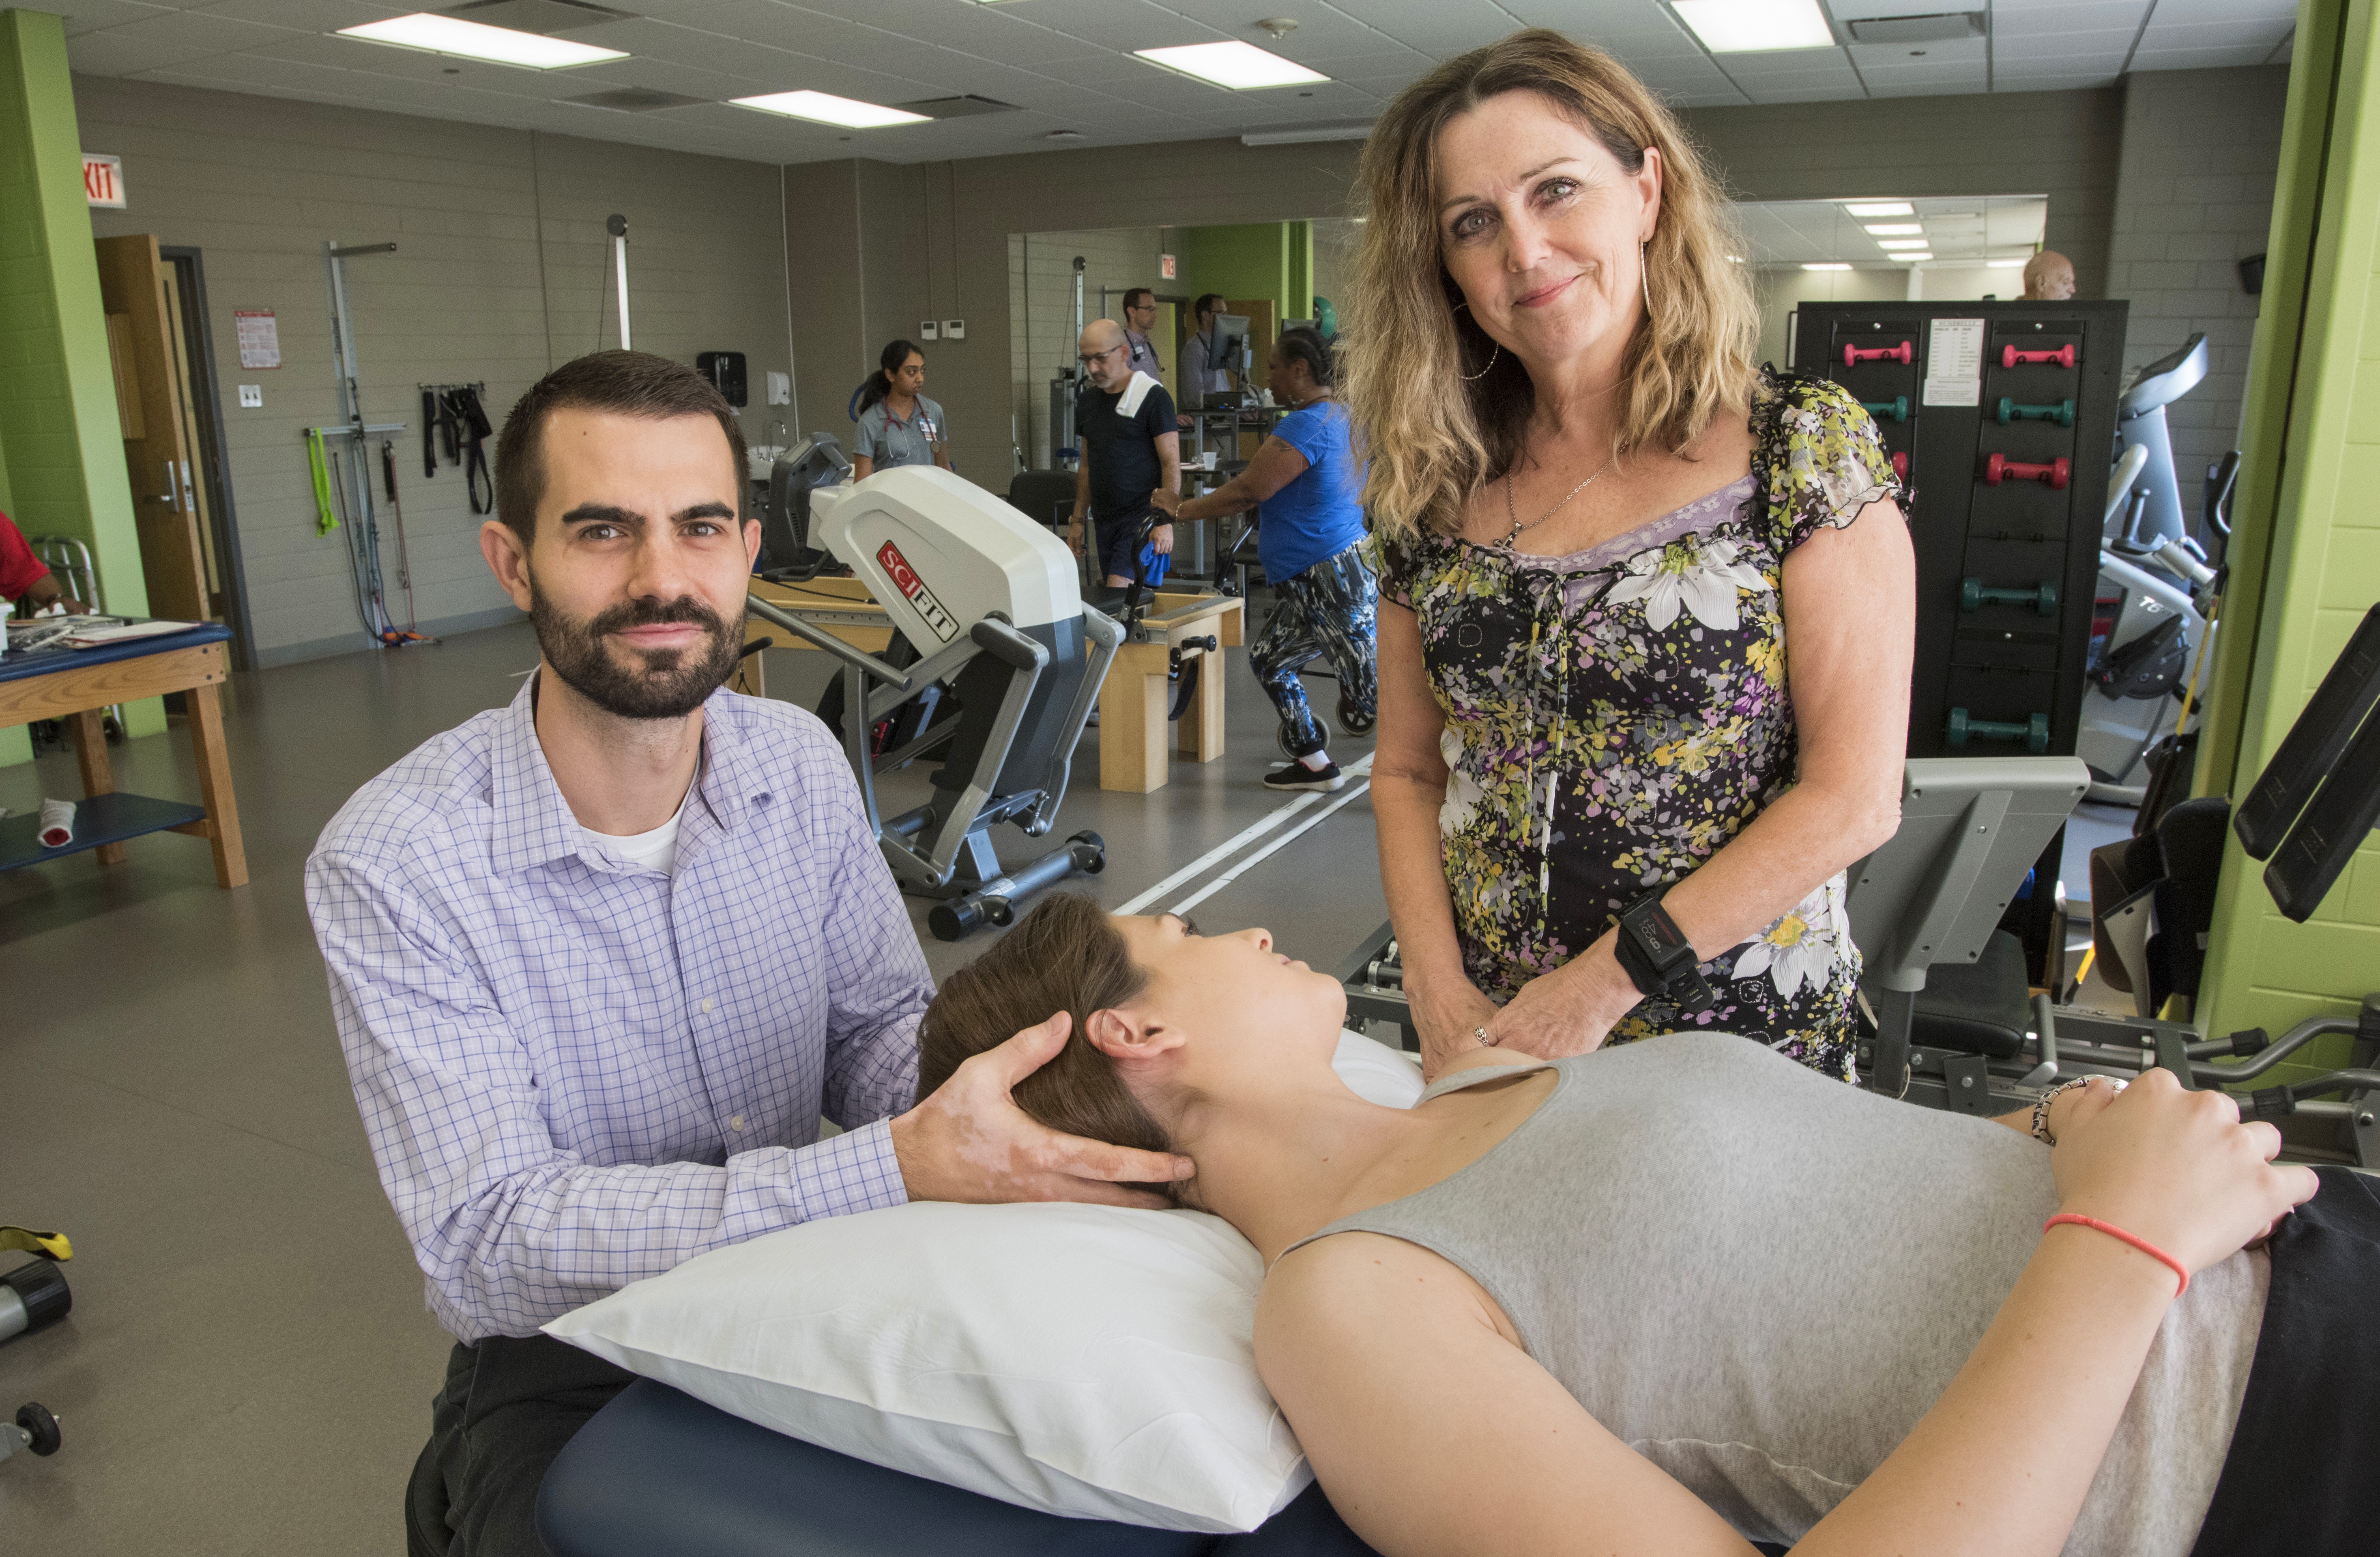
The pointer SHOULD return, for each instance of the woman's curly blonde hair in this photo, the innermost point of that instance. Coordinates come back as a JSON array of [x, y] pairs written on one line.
[[1431, 437]]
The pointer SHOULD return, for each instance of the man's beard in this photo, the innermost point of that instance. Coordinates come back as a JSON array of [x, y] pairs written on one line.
[[672, 683]]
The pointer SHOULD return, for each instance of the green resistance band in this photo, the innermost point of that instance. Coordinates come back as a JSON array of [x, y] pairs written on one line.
[[325, 518], [53, 1244]]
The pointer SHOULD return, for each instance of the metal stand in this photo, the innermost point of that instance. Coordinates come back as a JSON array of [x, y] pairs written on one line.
[[617, 227], [364, 545]]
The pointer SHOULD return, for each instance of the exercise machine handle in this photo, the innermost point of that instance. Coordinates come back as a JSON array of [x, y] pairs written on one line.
[[820, 638]]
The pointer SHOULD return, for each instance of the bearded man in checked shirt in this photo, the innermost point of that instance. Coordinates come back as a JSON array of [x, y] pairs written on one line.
[[602, 959]]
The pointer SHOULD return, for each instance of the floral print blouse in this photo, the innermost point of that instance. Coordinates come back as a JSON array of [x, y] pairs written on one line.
[[1615, 717]]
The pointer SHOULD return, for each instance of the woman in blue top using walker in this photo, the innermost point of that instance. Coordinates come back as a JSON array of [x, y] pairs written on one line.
[[1306, 486]]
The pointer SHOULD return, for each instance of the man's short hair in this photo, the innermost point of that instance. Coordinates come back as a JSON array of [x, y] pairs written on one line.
[[635, 383], [1207, 301], [1133, 297]]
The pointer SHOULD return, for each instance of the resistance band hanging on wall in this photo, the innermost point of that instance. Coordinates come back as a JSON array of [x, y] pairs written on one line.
[[454, 416]]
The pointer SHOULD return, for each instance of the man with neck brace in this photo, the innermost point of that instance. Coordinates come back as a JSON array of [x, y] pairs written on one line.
[[1131, 453]]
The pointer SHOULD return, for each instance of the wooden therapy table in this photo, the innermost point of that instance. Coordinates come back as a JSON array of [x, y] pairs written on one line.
[[74, 684], [1132, 704]]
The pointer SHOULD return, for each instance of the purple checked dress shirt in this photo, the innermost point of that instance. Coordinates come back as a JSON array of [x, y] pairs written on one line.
[[575, 1072]]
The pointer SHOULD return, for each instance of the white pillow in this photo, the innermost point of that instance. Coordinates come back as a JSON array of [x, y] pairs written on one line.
[[1085, 1360]]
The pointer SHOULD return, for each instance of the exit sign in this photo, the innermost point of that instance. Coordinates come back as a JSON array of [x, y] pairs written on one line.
[[103, 179]]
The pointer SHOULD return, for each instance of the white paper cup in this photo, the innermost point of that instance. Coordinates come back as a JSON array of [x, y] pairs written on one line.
[[57, 824]]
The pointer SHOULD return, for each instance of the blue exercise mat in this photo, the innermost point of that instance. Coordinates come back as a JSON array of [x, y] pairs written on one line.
[[15, 666], [657, 1473]]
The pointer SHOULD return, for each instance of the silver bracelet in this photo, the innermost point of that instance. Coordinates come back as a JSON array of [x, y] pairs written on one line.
[[2041, 1107]]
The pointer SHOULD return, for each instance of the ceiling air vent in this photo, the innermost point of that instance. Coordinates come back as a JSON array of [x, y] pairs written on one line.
[[635, 100], [544, 17], [966, 107], [1942, 26]]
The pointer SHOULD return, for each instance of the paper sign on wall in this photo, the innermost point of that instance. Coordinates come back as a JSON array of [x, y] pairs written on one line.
[[1165, 268], [260, 337], [103, 179], [1954, 363]]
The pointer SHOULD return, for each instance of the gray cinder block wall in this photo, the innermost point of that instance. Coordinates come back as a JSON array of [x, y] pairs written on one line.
[[2194, 197], [502, 270]]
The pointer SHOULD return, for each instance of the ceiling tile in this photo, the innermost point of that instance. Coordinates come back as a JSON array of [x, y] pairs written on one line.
[[1123, 25], [2197, 59], [88, 15], [2184, 13], [2258, 35], [2087, 15], [120, 51]]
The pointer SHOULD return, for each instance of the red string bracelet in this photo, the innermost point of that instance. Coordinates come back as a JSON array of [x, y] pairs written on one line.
[[2135, 1239]]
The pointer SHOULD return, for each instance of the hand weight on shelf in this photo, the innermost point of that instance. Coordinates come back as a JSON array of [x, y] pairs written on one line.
[[1855, 355], [2063, 356], [2033, 732], [2061, 413], [1973, 595], [1894, 409], [1998, 468], [1900, 465]]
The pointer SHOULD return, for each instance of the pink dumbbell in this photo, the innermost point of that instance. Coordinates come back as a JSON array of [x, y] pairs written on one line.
[[2000, 468], [1855, 355], [1900, 465], [2063, 356]]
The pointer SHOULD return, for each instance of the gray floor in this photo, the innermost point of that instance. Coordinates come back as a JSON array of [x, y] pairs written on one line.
[[249, 1364]]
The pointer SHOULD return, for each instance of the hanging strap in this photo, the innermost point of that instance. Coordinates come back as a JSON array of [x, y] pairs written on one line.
[[325, 518]]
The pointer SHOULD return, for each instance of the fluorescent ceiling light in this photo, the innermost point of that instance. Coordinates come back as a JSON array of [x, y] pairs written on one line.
[[823, 108], [1902, 243], [1827, 265], [2005, 265], [1911, 259], [473, 40], [1895, 229], [1880, 207], [1241, 66], [1735, 258], [1744, 26]]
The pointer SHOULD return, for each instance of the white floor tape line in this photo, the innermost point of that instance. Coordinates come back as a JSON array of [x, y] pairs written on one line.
[[1234, 844], [1228, 877]]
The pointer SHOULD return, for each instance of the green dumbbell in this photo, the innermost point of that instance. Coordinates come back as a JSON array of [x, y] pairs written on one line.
[[1974, 594], [2033, 732], [2061, 413], [1894, 409]]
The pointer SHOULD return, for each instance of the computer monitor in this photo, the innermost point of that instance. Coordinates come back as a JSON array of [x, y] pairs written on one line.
[[1227, 342], [2319, 797]]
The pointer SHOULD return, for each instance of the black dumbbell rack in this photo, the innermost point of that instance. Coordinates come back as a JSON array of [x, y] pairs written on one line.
[[2007, 572]]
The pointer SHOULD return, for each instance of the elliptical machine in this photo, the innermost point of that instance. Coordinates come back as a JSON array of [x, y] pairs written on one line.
[[2158, 585]]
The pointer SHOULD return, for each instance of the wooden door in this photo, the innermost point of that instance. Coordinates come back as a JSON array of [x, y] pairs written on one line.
[[134, 288]]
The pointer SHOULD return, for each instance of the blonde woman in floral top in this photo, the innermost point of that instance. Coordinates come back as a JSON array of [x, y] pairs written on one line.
[[1596, 519]]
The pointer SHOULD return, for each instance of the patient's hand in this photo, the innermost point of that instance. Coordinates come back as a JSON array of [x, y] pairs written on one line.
[[969, 1141]]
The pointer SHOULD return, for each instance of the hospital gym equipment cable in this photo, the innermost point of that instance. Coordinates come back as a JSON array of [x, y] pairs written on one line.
[[350, 479]]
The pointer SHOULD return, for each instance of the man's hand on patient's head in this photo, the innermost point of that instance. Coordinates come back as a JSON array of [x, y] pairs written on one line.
[[969, 1141]]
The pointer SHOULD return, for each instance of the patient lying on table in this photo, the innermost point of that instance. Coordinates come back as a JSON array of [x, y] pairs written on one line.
[[1660, 1299]]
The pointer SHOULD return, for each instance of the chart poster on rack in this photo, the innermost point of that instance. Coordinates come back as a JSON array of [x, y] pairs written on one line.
[[1954, 363], [260, 337]]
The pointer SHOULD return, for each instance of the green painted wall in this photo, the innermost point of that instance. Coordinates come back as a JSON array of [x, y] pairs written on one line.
[[2307, 559], [1261, 260], [64, 450]]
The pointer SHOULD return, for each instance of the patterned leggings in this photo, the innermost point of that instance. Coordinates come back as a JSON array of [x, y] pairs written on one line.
[[1331, 608]]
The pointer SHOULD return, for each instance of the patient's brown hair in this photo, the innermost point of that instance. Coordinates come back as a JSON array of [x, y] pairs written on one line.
[[1065, 955]]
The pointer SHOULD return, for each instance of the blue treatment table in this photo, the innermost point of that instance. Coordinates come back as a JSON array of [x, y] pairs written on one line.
[[657, 1473], [74, 684]]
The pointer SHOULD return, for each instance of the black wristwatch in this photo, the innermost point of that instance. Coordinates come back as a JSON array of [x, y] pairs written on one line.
[[1657, 957]]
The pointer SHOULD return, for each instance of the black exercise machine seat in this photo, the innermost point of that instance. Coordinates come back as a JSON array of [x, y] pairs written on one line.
[[657, 1473], [1980, 1007], [2166, 380]]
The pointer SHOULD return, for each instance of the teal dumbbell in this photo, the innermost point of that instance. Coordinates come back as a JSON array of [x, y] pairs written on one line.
[[1974, 594], [1894, 409], [2061, 413], [2033, 732]]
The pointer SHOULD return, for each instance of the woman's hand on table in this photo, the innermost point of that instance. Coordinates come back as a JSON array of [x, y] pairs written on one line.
[[2175, 1167]]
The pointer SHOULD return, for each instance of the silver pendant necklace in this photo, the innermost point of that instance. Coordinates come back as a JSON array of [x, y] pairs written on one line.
[[1510, 512]]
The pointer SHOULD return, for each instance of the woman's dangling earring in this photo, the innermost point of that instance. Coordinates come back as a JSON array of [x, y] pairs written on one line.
[[1646, 273]]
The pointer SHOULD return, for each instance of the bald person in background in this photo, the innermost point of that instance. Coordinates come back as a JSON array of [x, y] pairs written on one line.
[[2048, 277]]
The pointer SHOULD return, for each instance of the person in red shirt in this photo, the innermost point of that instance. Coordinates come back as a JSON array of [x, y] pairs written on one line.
[[25, 578]]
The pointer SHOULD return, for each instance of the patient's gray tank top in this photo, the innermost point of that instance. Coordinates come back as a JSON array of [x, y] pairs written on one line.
[[1760, 1279]]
